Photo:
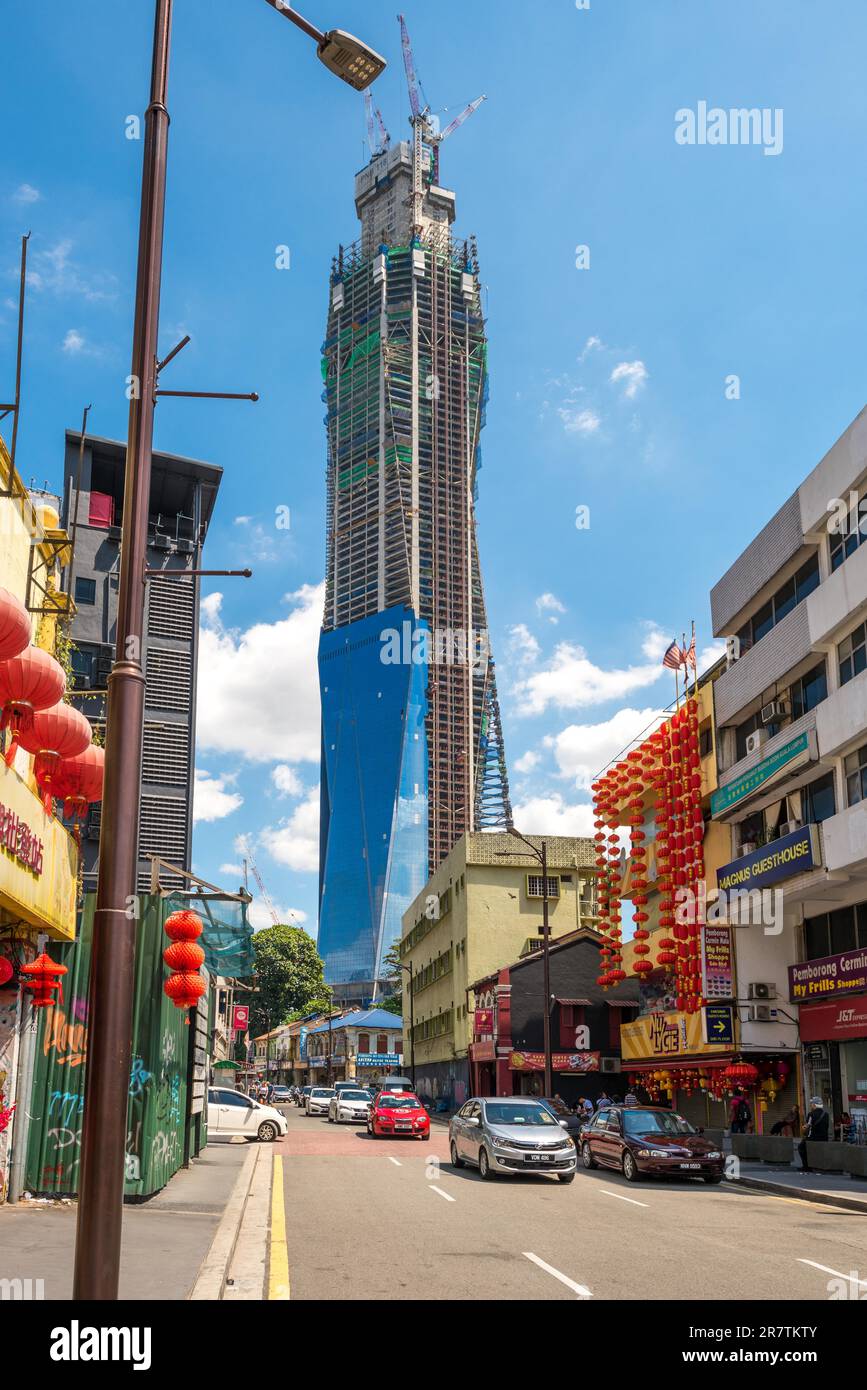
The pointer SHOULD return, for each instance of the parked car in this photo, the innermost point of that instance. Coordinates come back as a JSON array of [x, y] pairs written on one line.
[[318, 1100], [349, 1105], [349, 1086], [394, 1083], [231, 1112], [518, 1135], [301, 1098], [569, 1121], [398, 1113], [648, 1140], [280, 1095]]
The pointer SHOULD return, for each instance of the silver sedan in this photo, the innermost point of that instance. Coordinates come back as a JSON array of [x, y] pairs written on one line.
[[514, 1135], [349, 1105]]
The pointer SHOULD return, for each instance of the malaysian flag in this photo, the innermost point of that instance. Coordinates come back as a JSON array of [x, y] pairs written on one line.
[[673, 658]]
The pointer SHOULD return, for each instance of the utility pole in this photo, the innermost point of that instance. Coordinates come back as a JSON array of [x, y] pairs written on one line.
[[408, 969], [541, 855]]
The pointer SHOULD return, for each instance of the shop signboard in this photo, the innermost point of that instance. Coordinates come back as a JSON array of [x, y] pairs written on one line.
[[719, 1025], [791, 854], [717, 962], [578, 1062], [666, 1036], [792, 754], [378, 1059], [833, 1022], [834, 975], [483, 1021], [241, 1018], [38, 861]]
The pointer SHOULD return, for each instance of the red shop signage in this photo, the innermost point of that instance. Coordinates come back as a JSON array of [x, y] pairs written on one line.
[[484, 1021], [580, 1062], [829, 1022]]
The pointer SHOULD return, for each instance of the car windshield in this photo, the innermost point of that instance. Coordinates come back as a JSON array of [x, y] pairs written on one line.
[[558, 1107], [398, 1103], [320, 1091], [355, 1095], [638, 1122], [531, 1113]]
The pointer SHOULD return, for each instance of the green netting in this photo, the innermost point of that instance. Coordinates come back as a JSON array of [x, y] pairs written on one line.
[[227, 939]]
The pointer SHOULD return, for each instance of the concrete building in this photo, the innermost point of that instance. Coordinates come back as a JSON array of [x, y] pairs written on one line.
[[481, 909], [791, 711], [183, 494], [364, 1045]]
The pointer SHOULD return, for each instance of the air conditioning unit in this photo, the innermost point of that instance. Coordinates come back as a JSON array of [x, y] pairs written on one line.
[[777, 709], [162, 543], [748, 847], [756, 739], [789, 827], [761, 1013], [733, 650], [759, 990], [609, 1065], [186, 546]]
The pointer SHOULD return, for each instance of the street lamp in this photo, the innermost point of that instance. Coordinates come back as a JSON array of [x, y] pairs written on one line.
[[100, 1206], [408, 969], [542, 856]]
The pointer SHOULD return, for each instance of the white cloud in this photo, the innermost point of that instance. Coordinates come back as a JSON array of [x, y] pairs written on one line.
[[236, 870], [550, 604], [632, 374], [523, 646], [582, 750], [242, 520], [26, 193], [259, 915], [259, 689], [54, 271], [211, 800], [551, 815], [656, 642], [590, 346], [295, 841], [286, 780], [710, 655], [73, 342], [527, 762], [579, 421], [571, 681]]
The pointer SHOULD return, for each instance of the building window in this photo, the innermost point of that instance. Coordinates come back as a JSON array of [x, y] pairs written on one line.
[[808, 692], [820, 800], [852, 654], [382, 1043], [535, 887], [705, 743], [787, 597], [85, 590], [855, 768], [364, 1042], [843, 544]]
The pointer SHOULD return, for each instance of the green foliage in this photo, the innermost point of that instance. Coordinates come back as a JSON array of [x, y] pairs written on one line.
[[288, 977]]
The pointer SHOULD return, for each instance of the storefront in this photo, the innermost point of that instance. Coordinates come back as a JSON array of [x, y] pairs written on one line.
[[832, 993]]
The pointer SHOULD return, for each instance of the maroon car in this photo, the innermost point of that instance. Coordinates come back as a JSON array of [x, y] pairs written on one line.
[[643, 1139]]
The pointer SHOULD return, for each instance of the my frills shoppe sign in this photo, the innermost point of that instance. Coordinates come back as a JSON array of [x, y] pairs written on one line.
[[20, 841]]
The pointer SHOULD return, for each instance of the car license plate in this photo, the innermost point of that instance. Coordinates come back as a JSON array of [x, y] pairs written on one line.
[[403, 1126], [539, 1158], [690, 1165]]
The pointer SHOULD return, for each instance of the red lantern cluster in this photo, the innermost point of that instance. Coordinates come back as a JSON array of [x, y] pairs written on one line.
[[44, 976], [29, 682], [78, 781], [53, 735], [14, 625], [7, 970], [184, 957]]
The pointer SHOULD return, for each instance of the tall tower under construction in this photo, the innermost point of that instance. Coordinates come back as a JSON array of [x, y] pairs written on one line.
[[412, 748]]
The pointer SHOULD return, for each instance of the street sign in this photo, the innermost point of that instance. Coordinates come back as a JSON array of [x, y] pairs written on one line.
[[719, 1025], [717, 962], [241, 1018]]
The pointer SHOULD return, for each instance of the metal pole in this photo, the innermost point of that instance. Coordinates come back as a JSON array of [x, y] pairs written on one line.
[[328, 1083], [412, 1027], [100, 1207], [24, 1093], [546, 975], [70, 571], [21, 288]]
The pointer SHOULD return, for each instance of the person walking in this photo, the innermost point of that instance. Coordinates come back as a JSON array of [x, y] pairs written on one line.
[[740, 1114], [815, 1130], [630, 1098], [604, 1101]]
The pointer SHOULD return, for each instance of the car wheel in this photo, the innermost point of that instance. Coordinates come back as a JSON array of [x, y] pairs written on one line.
[[267, 1131], [630, 1167], [566, 1177], [484, 1164], [453, 1154], [587, 1156], [713, 1177]]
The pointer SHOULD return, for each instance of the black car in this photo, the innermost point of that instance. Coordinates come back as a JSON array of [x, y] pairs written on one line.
[[561, 1112]]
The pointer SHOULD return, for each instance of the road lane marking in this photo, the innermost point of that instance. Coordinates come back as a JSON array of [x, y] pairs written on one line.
[[396, 1161], [278, 1254], [620, 1197], [862, 1283], [581, 1291], [440, 1193]]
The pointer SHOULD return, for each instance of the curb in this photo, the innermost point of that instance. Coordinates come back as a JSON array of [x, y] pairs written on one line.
[[803, 1194], [211, 1279]]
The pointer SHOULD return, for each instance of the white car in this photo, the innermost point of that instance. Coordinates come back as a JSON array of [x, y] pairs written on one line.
[[231, 1113], [349, 1105], [319, 1100]]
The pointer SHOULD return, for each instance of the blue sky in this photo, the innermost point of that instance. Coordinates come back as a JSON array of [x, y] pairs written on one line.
[[607, 384]]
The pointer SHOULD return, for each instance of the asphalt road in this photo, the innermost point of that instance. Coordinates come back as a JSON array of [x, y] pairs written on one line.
[[370, 1219]]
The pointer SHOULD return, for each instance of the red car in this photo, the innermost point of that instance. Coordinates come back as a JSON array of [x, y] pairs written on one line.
[[398, 1114]]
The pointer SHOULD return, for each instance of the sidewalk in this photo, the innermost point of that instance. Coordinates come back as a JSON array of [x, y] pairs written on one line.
[[165, 1240], [837, 1189]]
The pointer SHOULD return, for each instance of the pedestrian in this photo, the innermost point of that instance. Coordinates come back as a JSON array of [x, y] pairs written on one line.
[[740, 1114], [789, 1125], [604, 1101], [630, 1098], [815, 1130], [588, 1107]]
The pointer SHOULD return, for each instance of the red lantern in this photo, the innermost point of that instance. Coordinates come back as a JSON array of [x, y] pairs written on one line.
[[184, 989], [184, 925], [6, 970], [55, 733], [14, 625], [185, 986], [185, 956], [42, 972], [741, 1074], [30, 682], [79, 780]]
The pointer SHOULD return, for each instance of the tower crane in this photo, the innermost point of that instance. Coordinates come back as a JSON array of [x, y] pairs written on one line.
[[266, 897], [378, 137]]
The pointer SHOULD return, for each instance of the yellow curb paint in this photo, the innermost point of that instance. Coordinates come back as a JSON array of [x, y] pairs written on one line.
[[278, 1253]]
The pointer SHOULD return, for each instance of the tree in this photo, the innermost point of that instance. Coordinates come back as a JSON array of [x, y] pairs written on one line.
[[392, 1002], [288, 976]]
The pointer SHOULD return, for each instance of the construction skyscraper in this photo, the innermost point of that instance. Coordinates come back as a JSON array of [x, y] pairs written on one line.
[[412, 749]]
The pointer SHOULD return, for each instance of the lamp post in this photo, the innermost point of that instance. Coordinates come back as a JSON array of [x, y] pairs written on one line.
[[408, 969], [541, 855], [100, 1207]]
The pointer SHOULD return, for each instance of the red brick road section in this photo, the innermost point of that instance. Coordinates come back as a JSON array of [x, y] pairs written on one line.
[[315, 1137]]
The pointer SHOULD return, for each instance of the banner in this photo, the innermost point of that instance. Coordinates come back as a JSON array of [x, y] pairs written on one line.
[[842, 974], [791, 854], [831, 1022], [241, 1018], [665, 1036], [717, 962], [578, 1062], [484, 1021]]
